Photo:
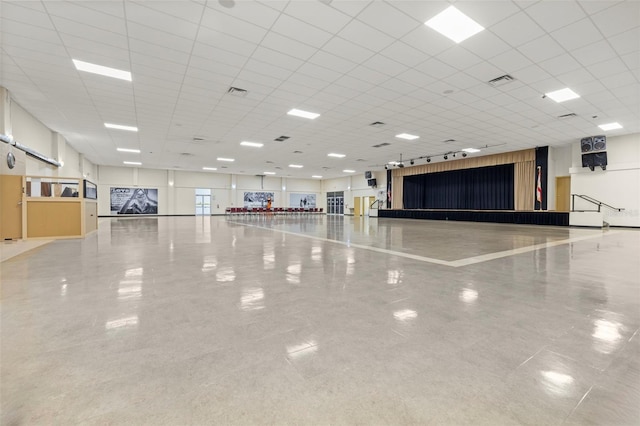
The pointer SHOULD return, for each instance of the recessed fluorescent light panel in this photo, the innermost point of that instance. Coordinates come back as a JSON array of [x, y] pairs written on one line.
[[295, 166], [120, 127], [225, 159], [317, 176], [135, 151], [407, 136], [348, 171], [303, 114], [269, 173], [133, 163], [99, 69], [562, 95], [610, 126], [333, 154], [454, 24], [252, 144], [471, 150], [209, 168]]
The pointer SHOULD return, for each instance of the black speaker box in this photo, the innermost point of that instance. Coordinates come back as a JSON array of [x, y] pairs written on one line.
[[586, 144]]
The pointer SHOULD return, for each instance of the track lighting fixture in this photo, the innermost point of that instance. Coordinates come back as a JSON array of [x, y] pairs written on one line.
[[446, 157], [464, 154], [411, 162], [454, 155], [428, 160]]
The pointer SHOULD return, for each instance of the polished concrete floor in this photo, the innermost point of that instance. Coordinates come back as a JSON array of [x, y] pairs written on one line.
[[323, 320]]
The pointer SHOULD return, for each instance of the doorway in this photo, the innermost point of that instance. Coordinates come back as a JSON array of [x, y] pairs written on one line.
[[203, 202], [563, 193], [11, 207], [335, 203]]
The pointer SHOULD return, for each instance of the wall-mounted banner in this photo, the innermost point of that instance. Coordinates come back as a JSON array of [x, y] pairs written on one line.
[[257, 199], [302, 200], [134, 201]]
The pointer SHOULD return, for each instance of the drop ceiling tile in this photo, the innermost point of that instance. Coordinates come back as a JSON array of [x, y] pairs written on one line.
[[626, 42], [517, 30], [597, 52], [347, 50], [436, 68], [300, 31], [234, 27], [459, 58], [578, 34], [263, 14], [511, 61], [365, 36], [385, 65], [187, 11], [552, 15], [158, 51], [288, 46], [541, 49], [388, 19], [632, 60], [619, 18], [318, 15], [487, 13], [332, 62], [159, 37], [461, 81], [319, 72], [368, 75], [607, 68], [486, 45], [211, 58], [415, 77], [560, 65], [404, 54], [24, 15]]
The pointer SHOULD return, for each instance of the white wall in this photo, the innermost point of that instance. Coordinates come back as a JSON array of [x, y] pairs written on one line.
[[354, 186], [618, 185], [30, 132], [176, 189]]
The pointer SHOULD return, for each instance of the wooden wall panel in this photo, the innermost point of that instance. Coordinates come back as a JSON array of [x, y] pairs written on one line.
[[54, 218]]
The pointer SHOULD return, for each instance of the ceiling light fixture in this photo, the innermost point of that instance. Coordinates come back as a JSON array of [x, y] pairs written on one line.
[[348, 171], [269, 173], [132, 163], [407, 136], [333, 154], [471, 150], [135, 151], [252, 144], [225, 159], [303, 114], [210, 168], [316, 177], [454, 24], [120, 127], [296, 166], [562, 95], [610, 126], [101, 70]]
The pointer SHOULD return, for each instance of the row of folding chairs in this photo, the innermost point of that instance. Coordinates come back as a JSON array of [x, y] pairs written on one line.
[[274, 210]]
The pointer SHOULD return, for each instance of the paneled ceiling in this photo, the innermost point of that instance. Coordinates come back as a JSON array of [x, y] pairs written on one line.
[[353, 62]]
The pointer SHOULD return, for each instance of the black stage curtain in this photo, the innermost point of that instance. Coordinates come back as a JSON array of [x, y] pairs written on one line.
[[482, 188]]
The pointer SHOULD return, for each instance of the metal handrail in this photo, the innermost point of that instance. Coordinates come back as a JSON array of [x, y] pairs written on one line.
[[592, 201], [371, 206]]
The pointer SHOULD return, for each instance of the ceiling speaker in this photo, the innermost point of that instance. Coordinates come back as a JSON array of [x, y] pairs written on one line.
[[599, 143], [586, 144]]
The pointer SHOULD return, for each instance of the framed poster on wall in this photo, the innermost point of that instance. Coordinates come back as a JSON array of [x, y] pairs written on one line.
[[134, 201], [302, 200], [257, 199]]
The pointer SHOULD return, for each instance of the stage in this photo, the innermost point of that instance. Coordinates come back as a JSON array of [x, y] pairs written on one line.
[[495, 216]]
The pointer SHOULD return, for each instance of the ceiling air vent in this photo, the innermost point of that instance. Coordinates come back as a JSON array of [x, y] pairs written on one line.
[[281, 138], [236, 91], [197, 139], [377, 124], [449, 140], [381, 144], [360, 159], [297, 152], [501, 81], [570, 115]]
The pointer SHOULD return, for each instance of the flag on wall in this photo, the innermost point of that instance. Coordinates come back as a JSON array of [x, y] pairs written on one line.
[[539, 187]]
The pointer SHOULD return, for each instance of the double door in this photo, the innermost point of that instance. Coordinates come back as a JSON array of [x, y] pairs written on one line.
[[335, 203]]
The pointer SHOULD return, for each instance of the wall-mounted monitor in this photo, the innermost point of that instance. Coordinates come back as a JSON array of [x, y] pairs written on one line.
[[367, 175], [372, 182]]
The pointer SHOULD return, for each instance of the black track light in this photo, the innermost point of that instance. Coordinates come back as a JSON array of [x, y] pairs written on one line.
[[428, 160], [446, 157], [464, 154], [411, 162], [454, 155]]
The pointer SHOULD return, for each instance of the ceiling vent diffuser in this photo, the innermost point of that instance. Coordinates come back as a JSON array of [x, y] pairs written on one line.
[[501, 81], [380, 145], [236, 91]]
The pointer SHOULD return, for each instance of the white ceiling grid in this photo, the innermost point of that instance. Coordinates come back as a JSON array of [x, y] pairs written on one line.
[[354, 62]]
